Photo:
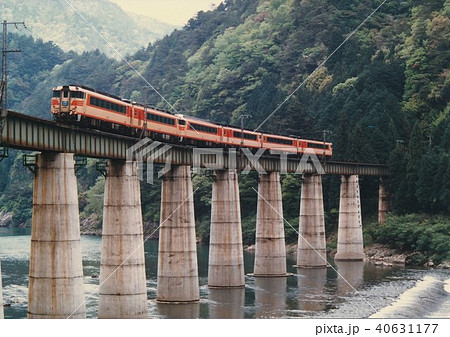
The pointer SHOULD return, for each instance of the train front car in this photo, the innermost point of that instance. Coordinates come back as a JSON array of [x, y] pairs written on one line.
[[67, 103]]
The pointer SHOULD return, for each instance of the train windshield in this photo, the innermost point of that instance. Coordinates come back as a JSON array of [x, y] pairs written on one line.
[[57, 93]]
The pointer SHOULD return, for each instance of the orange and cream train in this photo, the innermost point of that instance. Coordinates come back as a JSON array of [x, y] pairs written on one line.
[[87, 107]]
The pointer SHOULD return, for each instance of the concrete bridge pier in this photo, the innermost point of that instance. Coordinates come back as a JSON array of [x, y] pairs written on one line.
[[350, 234], [226, 254], [1, 292], [270, 248], [177, 253], [311, 251], [123, 289], [383, 201], [56, 287]]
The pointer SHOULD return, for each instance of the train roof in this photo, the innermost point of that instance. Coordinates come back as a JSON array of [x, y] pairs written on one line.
[[96, 91]]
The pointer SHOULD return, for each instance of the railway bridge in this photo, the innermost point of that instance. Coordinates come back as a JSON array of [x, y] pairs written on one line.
[[56, 275]]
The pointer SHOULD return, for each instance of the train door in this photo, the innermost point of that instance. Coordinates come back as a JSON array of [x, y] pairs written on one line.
[[65, 100], [220, 134], [182, 125], [226, 134], [144, 119], [133, 114], [140, 117], [302, 146]]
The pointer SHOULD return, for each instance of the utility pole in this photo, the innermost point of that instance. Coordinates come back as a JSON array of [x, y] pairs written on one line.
[[4, 87]]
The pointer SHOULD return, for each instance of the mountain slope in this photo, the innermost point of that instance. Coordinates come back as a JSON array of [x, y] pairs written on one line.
[[55, 20], [384, 94]]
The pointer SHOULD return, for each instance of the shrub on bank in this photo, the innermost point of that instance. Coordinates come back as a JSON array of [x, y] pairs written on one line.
[[427, 237]]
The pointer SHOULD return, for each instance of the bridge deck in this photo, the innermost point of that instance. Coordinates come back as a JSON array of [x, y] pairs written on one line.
[[30, 133]]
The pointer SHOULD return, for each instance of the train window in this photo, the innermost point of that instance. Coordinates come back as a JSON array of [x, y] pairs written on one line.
[[57, 93], [181, 122], [279, 141], [203, 128], [161, 119], [246, 135], [107, 105], [66, 93], [318, 146]]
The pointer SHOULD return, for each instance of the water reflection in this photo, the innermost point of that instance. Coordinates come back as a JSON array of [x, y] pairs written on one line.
[[313, 293], [311, 289], [226, 303], [351, 276], [270, 297], [179, 311]]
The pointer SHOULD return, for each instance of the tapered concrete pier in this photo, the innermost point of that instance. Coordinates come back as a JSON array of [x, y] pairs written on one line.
[[123, 290], [56, 288], [350, 235], [1, 292], [383, 201], [270, 248], [226, 253], [177, 253], [311, 251]]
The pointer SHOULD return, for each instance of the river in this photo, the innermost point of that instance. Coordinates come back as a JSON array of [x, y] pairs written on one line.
[[367, 290]]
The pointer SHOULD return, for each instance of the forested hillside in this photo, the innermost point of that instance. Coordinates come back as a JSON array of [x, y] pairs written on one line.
[[384, 94], [58, 21]]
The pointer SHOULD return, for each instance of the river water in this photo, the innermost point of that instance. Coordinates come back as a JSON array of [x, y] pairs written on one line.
[[362, 289]]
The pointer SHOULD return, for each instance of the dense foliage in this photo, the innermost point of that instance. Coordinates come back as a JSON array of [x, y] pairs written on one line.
[[424, 237], [384, 94]]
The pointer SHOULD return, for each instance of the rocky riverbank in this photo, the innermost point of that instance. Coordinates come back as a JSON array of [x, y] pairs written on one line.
[[378, 254], [5, 218], [90, 226], [381, 255]]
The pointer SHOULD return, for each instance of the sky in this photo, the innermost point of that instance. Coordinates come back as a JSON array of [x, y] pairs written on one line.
[[176, 12]]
